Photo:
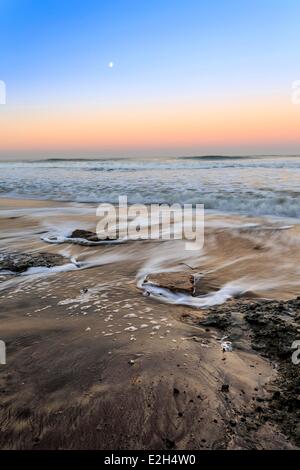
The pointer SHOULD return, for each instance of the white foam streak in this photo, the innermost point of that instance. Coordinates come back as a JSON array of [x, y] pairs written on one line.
[[217, 298], [58, 239], [228, 291]]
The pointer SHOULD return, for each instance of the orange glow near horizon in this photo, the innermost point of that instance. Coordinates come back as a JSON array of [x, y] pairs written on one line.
[[151, 126]]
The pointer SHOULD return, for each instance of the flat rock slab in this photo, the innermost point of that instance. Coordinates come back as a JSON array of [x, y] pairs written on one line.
[[175, 281], [192, 284], [205, 284], [19, 262]]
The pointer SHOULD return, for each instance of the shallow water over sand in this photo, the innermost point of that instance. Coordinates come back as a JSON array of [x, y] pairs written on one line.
[[246, 256]]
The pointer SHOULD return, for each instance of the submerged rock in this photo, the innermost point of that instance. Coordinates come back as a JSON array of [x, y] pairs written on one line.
[[19, 262]]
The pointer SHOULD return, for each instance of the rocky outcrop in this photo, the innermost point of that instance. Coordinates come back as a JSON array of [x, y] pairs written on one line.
[[85, 234], [16, 262], [272, 327]]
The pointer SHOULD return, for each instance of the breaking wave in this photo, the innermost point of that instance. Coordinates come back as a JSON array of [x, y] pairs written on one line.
[[254, 186]]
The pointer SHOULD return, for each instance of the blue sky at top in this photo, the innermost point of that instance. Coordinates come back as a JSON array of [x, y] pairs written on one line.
[[58, 51]]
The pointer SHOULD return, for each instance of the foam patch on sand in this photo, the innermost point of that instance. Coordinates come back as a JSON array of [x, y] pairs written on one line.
[[59, 239], [227, 292]]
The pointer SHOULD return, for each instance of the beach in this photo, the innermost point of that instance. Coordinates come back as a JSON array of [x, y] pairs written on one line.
[[112, 350], [149, 232]]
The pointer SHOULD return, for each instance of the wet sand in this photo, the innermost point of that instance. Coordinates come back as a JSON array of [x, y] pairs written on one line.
[[92, 363]]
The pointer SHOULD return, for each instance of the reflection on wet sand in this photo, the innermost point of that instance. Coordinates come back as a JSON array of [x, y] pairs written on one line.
[[146, 344]]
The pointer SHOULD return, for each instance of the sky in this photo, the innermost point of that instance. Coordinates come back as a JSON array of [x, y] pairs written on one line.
[[149, 78]]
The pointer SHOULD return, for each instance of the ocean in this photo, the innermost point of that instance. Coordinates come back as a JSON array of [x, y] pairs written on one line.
[[252, 186]]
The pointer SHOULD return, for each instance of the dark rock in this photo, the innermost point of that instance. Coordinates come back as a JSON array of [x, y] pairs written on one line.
[[221, 321], [85, 234], [275, 326], [20, 262], [169, 444]]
